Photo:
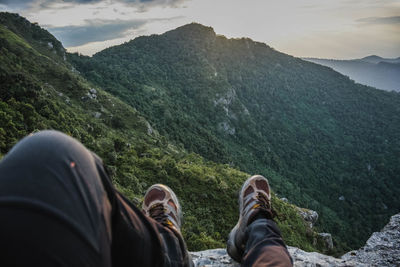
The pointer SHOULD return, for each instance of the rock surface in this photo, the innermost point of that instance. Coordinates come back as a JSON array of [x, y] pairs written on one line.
[[219, 258], [327, 240], [314, 259], [381, 249], [310, 216], [213, 257]]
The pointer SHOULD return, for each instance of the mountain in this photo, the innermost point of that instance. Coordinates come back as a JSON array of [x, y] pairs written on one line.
[[376, 59], [382, 73], [324, 142], [40, 39], [40, 90]]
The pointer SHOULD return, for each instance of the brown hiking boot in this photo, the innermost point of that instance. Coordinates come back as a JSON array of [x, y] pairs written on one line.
[[254, 201], [161, 204]]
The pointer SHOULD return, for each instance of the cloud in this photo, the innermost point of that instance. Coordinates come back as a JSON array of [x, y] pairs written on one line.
[[154, 2], [5, 2], [380, 20], [81, 1], [34, 5], [145, 5], [16, 4], [48, 3], [94, 31], [99, 30]]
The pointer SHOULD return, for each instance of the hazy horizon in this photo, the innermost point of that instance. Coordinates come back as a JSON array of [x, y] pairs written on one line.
[[345, 29]]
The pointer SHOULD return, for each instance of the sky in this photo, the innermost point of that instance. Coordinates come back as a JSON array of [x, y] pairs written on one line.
[[340, 29]]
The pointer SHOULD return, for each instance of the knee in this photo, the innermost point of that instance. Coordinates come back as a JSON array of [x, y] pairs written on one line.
[[46, 147]]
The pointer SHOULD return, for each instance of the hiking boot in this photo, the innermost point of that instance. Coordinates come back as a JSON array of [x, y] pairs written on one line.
[[161, 204], [254, 203]]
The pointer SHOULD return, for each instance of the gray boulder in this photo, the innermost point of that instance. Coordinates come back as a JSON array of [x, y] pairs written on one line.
[[213, 257], [97, 114], [382, 248], [284, 199], [310, 216], [327, 240], [302, 258]]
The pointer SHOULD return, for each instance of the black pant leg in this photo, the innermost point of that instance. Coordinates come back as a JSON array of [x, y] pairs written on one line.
[[58, 207], [153, 243], [175, 251], [138, 239], [53, 207], [265, 246]]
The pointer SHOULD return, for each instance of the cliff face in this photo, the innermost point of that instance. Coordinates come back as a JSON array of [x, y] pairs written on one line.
[[381, 249]]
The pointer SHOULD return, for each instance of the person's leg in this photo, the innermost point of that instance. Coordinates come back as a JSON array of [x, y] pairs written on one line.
[[161, 204], [53, 207], [58, 207], [256, 239], [265, 246]]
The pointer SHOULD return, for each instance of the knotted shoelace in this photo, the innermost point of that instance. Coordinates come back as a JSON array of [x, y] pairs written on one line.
[[159, 213]]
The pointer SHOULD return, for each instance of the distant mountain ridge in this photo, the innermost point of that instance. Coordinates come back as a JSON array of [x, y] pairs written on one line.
[[375, 71], [377, 59]]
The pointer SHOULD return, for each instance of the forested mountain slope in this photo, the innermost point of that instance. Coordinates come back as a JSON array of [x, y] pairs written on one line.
[[382, 73], [243, 103], [40, 90]]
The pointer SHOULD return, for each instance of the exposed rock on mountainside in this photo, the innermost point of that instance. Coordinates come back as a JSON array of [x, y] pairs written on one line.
[[381, 249], [310, 216], [327, 240]]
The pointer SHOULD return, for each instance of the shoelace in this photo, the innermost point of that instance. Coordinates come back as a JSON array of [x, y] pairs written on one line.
[[159, 213], [263, 202]]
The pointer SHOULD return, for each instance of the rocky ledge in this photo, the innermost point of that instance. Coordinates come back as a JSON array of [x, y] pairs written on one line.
[[219, 258], [381, 249]]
